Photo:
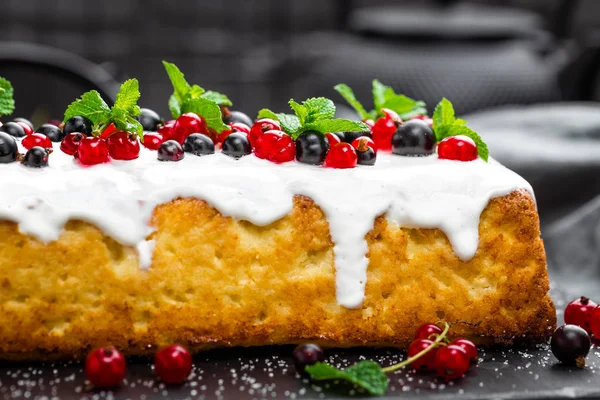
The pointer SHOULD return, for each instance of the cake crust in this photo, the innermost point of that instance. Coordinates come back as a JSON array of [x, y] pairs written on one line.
[[216, 281]]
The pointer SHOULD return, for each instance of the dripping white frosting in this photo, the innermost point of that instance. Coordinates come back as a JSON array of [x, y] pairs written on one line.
[[119, 198]]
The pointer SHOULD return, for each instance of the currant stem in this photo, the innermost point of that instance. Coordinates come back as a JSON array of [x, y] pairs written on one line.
[[406, 362]]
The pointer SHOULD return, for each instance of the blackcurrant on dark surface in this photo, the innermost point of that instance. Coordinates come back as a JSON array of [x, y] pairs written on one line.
[[238, 117], [170, 150], [307, 354], [311, 148], [78, 124], [236, 145], [13, 129], [53, 132], [367, 157], [8, 148], [198, 144], [414, 138], [36, 157], [149, 119], [350, 136], [570, 344], [24, 121]]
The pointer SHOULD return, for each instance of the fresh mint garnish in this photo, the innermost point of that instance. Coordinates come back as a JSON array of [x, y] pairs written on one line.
[[365, 374], [383, 97], [7, 103], [122, 114], [314, 114], [445, 124], [193, 98]]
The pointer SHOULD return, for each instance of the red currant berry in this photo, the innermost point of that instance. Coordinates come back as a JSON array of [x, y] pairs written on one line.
[[595, 322], [332, 139], [71, 142], [36, 139], [240, 127], [425, 331], [92, 151], [275, 146], [166, 130], [578, 312], [384, 128], [26, 127], [459, 148], [105, 367], [341, 155], [451, 362], [173, 364], [365, 140], [187, 124], [109, 130], [469, 347], [425, 362], [152, 140], [260, 127], [123, 146]]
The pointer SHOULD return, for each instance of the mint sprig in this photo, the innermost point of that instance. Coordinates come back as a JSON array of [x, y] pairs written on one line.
[[383, 97], [122, 114], [445, 124], [193, 98], [7, 102], [314, 114]]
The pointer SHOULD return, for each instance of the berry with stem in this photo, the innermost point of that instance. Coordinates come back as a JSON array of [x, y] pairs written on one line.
[[427, 331], [579, 312], [260, 127], [425, 362], [570, 344], [469, 347], [105, 367], [36, 157], [71, 142], [123, 146], [365, 150]]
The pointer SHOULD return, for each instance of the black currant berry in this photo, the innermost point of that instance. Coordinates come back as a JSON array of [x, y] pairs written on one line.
[[414, 138], [349, 137], [24, 121], [149, 119], [307, 354], [36, 157], [78, 124], [236, 145], [8, 148], [13, 129], [238, 117], [571, 344], [53, 132], [367, 157], [311, 148], [170, 151], [198, 144]]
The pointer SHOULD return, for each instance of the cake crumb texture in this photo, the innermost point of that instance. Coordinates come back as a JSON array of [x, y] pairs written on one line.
[[216, 281]]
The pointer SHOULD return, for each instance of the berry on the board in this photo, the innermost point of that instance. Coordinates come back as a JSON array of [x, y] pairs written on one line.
[[469, 347], [36, 139], [92, 151], [78, 124], [594, 322], [24, 121], [26, 127], [149, 120], [237, 145], [187, 124], [366, 150], [152, 140], [312, 147], [198, 144], [36, 157], [579, 312], [451, 362], [173, 364], [341, 155], [123, 146], [459, 148], [260, 127], [332, 139], [166, 129], [570, 344], [14, 129], [8, 148], [237, 117], [426, 331], [170, 150], [349, 137], [275, 146], [425, 362], [384, 128], [307, 354], [105, 367], [413, 138], [52, 131], [71, 142]]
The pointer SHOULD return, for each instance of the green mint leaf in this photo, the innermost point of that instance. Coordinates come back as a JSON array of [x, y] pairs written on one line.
[[91, 106], [379, 92], [336, 125], [174, 106], [180, 86], [443, 114], [195, 92], [208, 110], [300, 111], [348, 94], [128, 96], [318, 108], [365, 374], [217, 97], [126, 121], [460, 121], [444, 131], [7, 102], [289, 123], [266, 113]]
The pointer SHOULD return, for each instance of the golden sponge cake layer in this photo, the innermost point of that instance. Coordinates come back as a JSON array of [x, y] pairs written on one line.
[[216, 281]]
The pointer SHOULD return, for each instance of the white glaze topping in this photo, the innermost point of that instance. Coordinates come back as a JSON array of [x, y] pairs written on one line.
[[119, 198]]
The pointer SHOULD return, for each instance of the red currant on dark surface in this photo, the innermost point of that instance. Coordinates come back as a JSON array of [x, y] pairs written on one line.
[[595, 323], [459, 148], [307, 354], [71, 142], [384, 128], [579, 312], [187, 124], [275, 146], [92, 151], [426, 330], [425, 362], [570, 344], [173, 364], [260, 127], [170, 150], [333, 139], [166, 129], [152, 140], [123, 146], [451, 362], [469, 347], [105, 367], [341, 156], [36, 139], [26, 127]]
